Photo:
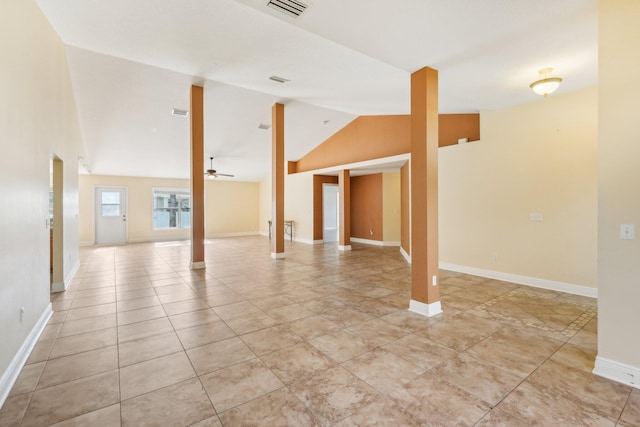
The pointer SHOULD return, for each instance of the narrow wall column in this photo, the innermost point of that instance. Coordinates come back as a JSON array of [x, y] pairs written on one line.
[[344, 189], [425, 298], [197, 177], [277, 181]]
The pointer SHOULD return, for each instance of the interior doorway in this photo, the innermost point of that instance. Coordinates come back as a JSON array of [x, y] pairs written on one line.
[[330, 213], [111, 215], [56, 225]]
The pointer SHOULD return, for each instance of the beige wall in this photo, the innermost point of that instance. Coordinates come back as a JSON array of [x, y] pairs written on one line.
[[231, 207], [391, 209], [265, 204], [298, 204], [39, 120], [535, 158], [619, 185]]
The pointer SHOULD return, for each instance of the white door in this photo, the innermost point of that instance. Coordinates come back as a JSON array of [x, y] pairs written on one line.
[[111, 215], [330, 209]]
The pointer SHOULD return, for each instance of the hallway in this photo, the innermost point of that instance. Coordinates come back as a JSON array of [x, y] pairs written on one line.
[[320, 338]]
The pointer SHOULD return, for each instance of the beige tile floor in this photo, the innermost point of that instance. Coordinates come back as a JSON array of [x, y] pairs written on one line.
[[319, 338]]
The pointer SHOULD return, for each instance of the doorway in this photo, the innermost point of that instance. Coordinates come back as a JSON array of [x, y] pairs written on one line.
[[111, 215], [330, 213]]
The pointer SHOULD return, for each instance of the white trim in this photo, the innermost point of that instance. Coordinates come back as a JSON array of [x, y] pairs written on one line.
[[237, 234], [318, 242], [159, 239], [10, 375], [299, 240], [367, 241], [423, 309], [344, 248], [264, 233], [616, 371], [406, 256], [277, 255], [373, 242], [58, 287], [88, 243], [524, 280], [197, 265]]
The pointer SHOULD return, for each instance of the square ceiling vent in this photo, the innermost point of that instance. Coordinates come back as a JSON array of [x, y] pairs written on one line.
[[289, 7]]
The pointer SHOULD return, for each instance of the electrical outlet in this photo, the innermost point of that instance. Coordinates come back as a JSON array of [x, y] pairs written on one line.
[[371, 231], [494, 256], [21, 313], [627, 231]]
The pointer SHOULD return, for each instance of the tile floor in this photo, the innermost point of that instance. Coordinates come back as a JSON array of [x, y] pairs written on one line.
[[320, 338]]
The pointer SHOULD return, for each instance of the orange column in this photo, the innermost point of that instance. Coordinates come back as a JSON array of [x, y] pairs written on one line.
[[344, 190], [277, 181], [197, 177], [425, 298]]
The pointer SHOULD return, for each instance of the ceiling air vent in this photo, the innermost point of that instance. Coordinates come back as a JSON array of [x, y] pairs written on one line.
[[290, 7], [264, 126], [176, 112], [278, 79]]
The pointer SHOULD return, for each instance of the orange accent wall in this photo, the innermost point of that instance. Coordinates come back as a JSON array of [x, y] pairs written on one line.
[[405, 213], [375, 137], [365, 138], [366, 206], [452, 127], [318, 212]]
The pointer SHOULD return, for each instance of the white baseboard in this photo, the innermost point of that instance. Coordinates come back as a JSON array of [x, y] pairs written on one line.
[[344, 247], [318, 242], [10, 376], [406, 256], [367, 241], [524, 280], [197, 265], [89, 243], [425, 309], [62, 286], [238, 234], [616, 371], [299, 240], [277, 255]]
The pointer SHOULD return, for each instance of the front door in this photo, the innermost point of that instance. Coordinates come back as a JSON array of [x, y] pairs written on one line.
[[111, 215]]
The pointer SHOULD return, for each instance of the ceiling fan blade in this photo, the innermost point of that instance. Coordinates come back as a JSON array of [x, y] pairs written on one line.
[[224, 174]]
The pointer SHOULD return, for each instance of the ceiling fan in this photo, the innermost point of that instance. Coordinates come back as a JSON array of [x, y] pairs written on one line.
[[212, 173]]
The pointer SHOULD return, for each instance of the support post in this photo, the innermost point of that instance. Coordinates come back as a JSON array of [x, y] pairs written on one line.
[[425, 298], [277, 181], [197, 177], [344, 189]]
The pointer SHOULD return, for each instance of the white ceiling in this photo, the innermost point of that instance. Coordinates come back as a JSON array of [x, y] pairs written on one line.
[[131, 62]]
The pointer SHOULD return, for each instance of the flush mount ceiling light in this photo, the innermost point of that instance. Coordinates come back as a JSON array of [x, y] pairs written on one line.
[[182, 113], [264, 126], [545, 83], [278, 79]]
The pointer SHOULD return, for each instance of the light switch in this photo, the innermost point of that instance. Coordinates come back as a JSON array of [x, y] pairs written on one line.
[[535, 216], [627, 231]]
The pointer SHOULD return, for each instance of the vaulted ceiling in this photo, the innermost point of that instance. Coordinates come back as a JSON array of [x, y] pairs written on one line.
[[132, 62]]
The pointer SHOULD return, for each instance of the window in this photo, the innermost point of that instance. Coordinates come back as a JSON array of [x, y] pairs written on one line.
[[171, 209], [110, 203]]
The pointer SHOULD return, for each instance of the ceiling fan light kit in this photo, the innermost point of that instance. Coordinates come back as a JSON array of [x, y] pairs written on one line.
[[212, 173], [545, 84]]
